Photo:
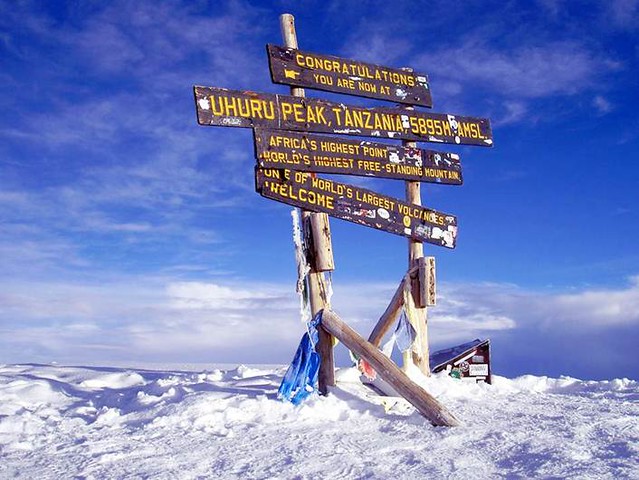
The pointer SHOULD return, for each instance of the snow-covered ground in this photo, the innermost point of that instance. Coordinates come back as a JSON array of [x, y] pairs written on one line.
[[97, 422]]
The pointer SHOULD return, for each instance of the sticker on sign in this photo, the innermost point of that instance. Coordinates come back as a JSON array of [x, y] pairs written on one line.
[[478, 370]]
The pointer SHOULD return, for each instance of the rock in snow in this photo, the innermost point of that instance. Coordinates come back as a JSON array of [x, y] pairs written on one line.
[[98, 422]]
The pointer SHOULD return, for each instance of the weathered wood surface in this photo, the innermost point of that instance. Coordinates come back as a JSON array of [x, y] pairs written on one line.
[[415, 312], [357, 205], [235, 108], [319, 300], [425, 403], [417, 355], [389, 316], [427, 279], [323, 154], [322, 245], [320, 251], [290, 66]]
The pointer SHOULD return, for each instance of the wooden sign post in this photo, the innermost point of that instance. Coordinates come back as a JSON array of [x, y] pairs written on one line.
[[289, 154], [317, 239], [416, 313]]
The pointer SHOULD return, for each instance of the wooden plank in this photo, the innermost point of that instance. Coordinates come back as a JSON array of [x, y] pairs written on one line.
[[425, 403], [389, 316], [290, 66], [427, 281], [324, 154], [357, 205], [235, 108]]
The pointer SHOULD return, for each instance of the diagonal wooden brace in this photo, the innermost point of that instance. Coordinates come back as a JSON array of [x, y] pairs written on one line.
[[423, 401], [389, 316]]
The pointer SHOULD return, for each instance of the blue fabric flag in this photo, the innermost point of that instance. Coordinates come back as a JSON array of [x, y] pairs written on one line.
[[300, 379]]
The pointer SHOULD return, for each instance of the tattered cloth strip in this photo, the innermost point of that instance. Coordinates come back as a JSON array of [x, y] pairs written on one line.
[[328, 280], [405, 333], [301, 377], [302, 267], [366, 369], [363, 366], [387, 348]]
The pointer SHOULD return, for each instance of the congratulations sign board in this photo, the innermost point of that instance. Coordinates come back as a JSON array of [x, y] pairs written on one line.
[[323, 154], [234, 108], [290, 66], [357, 205]]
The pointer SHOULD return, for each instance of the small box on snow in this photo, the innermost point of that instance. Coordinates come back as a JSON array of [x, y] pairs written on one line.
[[468, 361]]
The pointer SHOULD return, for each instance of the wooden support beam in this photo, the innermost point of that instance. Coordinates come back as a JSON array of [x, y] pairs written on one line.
[[318, 299], [391, 313], [322, 246], [415, 309], [317, 235], [389, 316], [424, 402]]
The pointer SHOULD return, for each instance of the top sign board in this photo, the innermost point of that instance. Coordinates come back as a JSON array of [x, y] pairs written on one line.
[[234, 108], [290, 66]]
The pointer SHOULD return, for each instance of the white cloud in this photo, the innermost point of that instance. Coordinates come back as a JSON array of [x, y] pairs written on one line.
[[514, 112], [624, 13], [378, 48], [554, 68], [153, 319], [211, 296], [599, 308], [146, 318], [587, 309], [602, 105]]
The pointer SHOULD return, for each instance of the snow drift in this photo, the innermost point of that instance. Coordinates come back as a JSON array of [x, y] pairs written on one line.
[[98, 422]]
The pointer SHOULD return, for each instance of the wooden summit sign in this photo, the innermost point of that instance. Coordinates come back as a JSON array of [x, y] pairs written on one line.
[[323, 154], [290, 66], [357, 205], [235, 108]]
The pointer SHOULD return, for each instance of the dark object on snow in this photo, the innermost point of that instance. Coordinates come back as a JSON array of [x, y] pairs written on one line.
[[468, 361]]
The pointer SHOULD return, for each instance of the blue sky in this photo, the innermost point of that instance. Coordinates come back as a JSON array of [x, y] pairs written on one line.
[[130, 233]]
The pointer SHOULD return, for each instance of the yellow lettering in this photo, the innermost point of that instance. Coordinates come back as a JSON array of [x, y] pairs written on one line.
[[346, 83], [438, 127], [430, 125], [338, 115], [298, 113], [464, 129], [287, 109], [367, 87]]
